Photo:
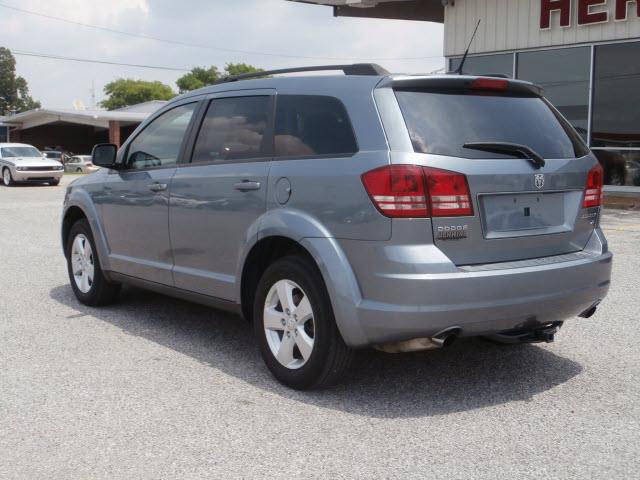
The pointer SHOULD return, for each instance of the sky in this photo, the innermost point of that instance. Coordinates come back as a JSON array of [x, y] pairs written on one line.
[[265, 33]]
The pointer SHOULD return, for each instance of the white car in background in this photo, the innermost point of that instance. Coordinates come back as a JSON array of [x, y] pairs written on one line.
[[80, 164], [24, 163]]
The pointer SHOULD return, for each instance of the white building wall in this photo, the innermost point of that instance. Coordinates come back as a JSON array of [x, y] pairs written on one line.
[[515, 24]]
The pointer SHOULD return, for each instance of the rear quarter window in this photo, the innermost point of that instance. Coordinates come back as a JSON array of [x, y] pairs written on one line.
[[441, 122], [310, 125]]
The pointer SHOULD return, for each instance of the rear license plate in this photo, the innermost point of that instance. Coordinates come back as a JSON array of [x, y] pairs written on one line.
[[524, 213]]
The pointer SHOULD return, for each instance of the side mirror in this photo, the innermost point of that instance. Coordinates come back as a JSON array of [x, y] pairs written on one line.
[[104, 155]]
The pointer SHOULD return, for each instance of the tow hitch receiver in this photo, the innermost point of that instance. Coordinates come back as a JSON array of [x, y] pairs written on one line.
[[545, 334]]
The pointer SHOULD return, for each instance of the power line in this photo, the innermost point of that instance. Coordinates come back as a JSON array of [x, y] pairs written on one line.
[[103, 62], [208, 47]]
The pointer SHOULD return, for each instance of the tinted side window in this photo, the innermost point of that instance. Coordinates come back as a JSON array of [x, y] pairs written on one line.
[[312, 125], [159, 143], [233, 129]]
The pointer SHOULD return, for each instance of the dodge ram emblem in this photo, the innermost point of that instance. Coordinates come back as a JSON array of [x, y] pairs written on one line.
[[539, 181]]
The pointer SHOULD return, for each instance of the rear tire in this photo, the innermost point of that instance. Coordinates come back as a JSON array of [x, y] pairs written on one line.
[[298, 338], [88, 281], [7, 178]]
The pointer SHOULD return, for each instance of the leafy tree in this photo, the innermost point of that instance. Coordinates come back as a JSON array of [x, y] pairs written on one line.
[[197, 78], [125, 91], [14, 91], [201, 77], [240, 68]]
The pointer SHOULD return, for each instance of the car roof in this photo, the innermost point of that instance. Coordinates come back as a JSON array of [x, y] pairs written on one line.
[[308, 84], [339, 85]]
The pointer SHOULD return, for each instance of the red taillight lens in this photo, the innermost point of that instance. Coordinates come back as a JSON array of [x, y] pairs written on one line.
[[410, 191], [397, 190], [593, 194], [495, 84], [449, 194]]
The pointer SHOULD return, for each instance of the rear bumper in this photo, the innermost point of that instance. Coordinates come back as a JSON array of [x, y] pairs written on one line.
[[485, 302]]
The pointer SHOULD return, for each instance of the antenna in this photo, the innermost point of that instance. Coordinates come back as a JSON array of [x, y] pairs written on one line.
[[464, 58]]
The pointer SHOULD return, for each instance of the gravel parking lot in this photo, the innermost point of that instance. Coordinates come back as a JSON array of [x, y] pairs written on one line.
[[159, 388]]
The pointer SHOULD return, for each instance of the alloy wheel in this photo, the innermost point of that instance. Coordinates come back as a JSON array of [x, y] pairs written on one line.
[[82, 263], [6, 177], [288, 324]]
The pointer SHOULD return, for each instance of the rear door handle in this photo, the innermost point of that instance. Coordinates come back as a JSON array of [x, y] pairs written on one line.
[[158, 187], [246, 185]]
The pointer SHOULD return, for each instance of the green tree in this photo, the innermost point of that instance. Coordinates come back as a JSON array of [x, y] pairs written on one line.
[[240, 68], [197, 78], [126, 91], [14, 90], [201, 77]]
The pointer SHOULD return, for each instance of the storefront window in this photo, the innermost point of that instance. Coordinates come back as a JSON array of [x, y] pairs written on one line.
[[621, 167], [564, 75], [616, 103], [4, 134], [485, 65]]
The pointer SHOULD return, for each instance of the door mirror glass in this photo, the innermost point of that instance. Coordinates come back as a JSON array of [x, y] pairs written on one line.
[[104, 155]]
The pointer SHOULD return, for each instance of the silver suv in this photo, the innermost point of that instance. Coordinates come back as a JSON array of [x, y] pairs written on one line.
[[350, 211]]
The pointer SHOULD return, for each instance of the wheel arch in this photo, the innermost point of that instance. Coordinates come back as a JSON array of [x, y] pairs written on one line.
[[326, 254], [78, 206]]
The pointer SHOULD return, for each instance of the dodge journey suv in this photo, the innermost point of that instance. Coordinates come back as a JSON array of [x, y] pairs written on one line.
[[349, 211]]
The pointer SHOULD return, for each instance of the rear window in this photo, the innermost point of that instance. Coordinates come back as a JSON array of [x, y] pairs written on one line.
[[442, 122], [309, 125]]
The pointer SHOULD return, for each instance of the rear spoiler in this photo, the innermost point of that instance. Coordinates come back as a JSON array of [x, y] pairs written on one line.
[[457, 82]]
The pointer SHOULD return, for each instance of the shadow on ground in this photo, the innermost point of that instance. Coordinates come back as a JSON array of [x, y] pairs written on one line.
[[470, 374]]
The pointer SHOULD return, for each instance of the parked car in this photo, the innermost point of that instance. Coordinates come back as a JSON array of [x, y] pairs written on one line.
[[351, 211], [24, 163], [80, 164], [60, 156]]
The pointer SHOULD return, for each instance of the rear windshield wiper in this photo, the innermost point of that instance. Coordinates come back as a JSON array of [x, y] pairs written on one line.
[[521, 151]]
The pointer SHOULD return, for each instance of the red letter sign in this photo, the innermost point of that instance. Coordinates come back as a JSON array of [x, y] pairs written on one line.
[[621, 8], [587, 17], [548, 6]]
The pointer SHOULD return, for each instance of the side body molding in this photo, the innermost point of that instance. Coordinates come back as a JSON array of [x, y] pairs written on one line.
[[336, 271]]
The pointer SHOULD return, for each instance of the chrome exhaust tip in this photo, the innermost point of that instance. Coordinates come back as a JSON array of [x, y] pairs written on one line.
[[440, 340]]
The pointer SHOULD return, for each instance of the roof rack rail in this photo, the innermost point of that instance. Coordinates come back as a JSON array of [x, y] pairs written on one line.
[[369, 69]]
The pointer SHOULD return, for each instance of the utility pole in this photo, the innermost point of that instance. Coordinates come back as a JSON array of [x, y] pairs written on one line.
[[93, 94]]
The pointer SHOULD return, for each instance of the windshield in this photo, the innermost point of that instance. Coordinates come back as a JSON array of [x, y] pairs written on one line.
[[11, 152], [442, 122]]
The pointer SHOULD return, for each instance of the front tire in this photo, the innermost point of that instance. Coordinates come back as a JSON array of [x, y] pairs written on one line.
[[54, 183], [7, 178], [295, 326], [88, 281]]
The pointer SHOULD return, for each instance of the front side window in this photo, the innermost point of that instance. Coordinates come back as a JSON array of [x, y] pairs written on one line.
[[158, 145], [308, 125], [233, 129]]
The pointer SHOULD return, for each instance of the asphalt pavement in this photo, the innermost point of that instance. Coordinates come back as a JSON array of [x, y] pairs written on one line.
[[154, 387]]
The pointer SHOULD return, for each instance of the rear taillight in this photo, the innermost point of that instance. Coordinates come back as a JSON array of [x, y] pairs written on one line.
[[411, 191], [448, 193], [494, 84], [593, 194], [397, 190]]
